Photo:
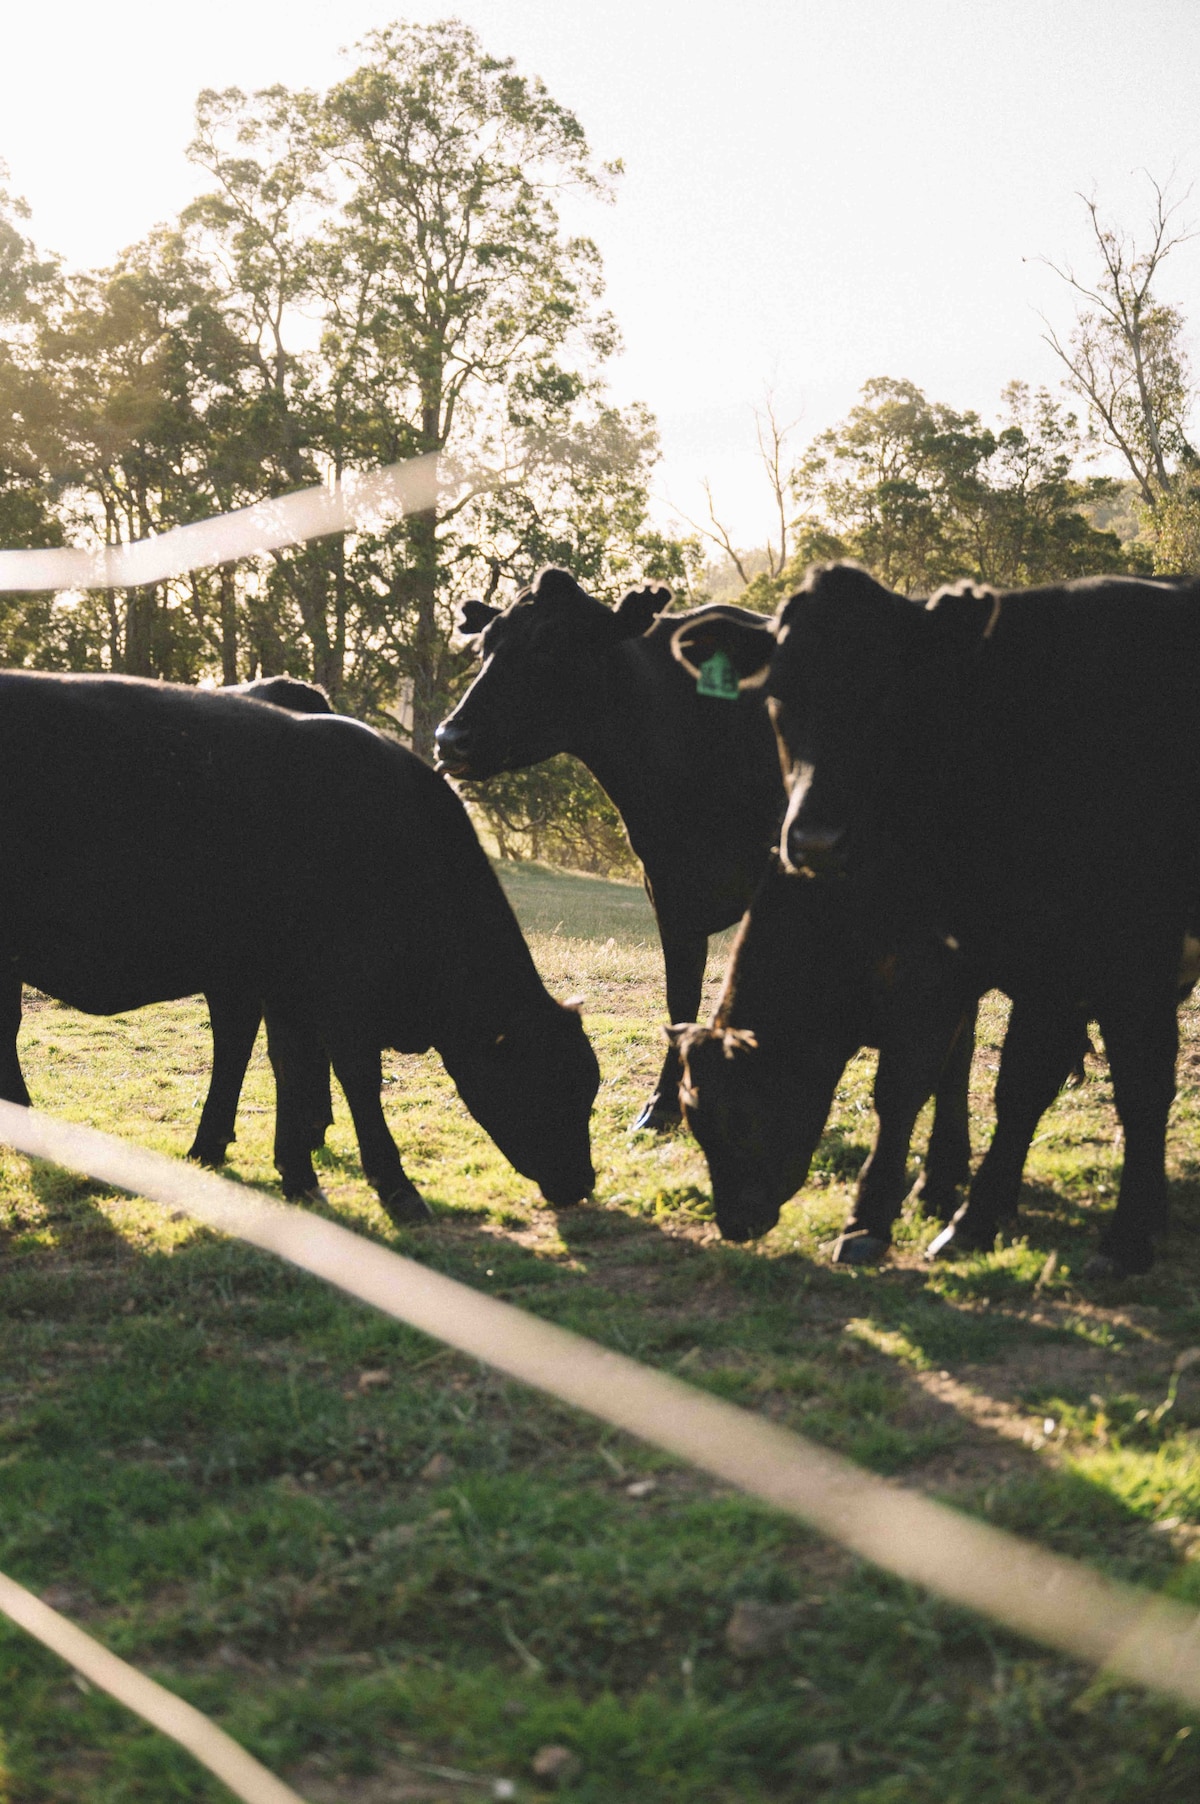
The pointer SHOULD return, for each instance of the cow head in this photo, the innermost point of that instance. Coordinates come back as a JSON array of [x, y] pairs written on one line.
[[758, 1120], [544, 672], [859, 679], [532, 1088]]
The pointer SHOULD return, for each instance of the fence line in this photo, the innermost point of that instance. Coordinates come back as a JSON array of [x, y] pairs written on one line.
[[1130, 1632], [357, 500], [245, 1776]]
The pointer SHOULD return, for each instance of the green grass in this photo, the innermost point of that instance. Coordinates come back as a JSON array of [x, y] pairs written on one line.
[[376, 1582], [578, 907]]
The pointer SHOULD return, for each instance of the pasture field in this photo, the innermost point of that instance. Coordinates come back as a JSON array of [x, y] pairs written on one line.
[[395, 1576]]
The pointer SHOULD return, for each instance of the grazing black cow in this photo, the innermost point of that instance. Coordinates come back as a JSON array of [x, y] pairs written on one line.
[[234, 1017], [694, 775], [1020, 773], [156, 842], [806, 987]]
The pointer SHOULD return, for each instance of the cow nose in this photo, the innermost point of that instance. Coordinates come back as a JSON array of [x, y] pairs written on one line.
[[453, 742], [821, 850]]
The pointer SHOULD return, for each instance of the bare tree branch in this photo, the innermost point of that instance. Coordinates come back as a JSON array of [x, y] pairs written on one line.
[[1125, 355]]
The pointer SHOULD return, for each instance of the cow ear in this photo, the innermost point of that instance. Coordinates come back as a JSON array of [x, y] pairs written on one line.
[[471, 617], [747, 644], [965, 615], [638, 609]]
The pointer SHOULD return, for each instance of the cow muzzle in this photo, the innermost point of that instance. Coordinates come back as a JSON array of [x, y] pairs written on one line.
[[566, 1189], [821, 850], [745, 1213], [453, 746]]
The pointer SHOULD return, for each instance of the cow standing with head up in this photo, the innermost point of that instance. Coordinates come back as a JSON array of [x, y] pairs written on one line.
[[685, 750], [1017, 777], [157, 842], [694, 777]]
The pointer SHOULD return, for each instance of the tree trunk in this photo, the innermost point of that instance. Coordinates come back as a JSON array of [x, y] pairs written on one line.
[[341, 605], [229, 624], [427, 697], [141, 606]]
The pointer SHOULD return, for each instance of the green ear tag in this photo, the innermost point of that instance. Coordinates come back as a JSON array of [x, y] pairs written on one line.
[[718, 678]]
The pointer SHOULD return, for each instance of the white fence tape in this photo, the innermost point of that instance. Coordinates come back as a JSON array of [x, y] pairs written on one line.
[[358, 500], [244, 1775], [1131, 1633]]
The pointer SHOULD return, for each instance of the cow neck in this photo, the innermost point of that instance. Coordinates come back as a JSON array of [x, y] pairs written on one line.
[[801, 964], [629, 745], [489, 974], [610, 740]]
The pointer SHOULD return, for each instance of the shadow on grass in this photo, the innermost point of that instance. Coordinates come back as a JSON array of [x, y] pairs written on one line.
[[208, 1472]]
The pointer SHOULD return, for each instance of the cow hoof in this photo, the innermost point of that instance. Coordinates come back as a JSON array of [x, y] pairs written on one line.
[[859, 1248], [655, 1118], [406, 1207], [212, 1157], [303, 1190], [1104, 1268]]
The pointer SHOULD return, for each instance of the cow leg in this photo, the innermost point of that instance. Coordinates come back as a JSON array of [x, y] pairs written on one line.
[[925, 1018], [300, 1068], [1040, 1049], [234, 1018], [12, 1083], [684, 955], [1142, 1043], [358, 1071], [904, 1080], [948, 1155]]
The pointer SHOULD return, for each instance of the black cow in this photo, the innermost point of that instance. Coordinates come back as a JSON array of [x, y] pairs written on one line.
[[694, 776], [234, 1017], [1020, 773], [349, 894], [807, 985], [810, 981]]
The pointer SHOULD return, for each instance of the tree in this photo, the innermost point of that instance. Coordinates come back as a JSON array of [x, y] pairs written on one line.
[[29, 287], [922, 494], [1125, 354], [413, 212], [869, 488], [761, 572], [276, 419], [1020, 514], [483, 308]]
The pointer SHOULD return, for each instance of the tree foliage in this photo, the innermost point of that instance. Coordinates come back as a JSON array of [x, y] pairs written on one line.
[[371, 274], [922, 494]]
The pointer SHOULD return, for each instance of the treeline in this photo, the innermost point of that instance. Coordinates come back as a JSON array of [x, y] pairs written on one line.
[[372, 274], [382, 271]]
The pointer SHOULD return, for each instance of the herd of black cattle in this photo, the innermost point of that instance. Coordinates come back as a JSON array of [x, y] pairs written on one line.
[[985, 790]]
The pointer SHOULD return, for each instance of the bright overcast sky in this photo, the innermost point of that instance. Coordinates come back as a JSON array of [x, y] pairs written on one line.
[[817, 191]]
